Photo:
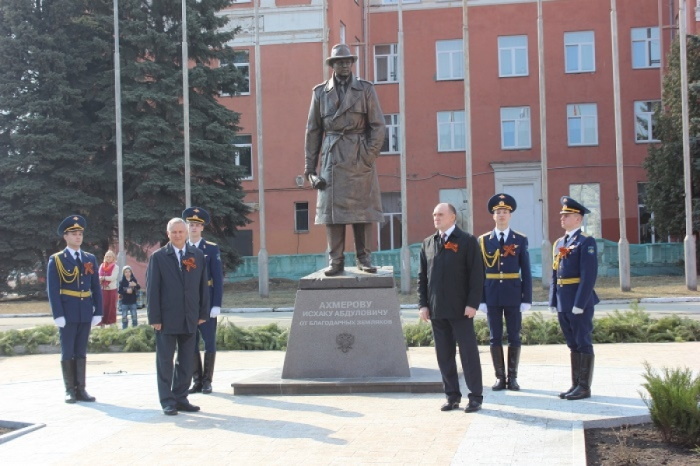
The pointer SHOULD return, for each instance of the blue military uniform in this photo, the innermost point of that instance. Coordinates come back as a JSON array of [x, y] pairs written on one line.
[[507, 286], [571, 295], [203, 374], [76, 304]]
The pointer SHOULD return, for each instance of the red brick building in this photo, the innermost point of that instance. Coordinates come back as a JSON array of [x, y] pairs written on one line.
[[504, 94]]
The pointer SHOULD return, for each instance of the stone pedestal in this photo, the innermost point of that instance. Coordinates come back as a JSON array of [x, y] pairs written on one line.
[[346, 326], [346, 337]]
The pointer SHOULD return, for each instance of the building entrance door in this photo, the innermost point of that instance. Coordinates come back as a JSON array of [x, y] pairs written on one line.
[[523, 182]]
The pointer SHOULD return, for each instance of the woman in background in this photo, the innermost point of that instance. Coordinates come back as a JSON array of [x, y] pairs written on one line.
[[109, 274], [128, 289]]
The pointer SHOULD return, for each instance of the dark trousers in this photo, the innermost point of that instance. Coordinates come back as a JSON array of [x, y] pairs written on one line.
[[174, 379], [446, 332], [514, 320], [335, 233], [74, 340], [577, 330], [207, 332]]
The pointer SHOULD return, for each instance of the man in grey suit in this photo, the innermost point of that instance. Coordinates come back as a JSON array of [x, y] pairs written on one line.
[[450, 284], [178, 301]]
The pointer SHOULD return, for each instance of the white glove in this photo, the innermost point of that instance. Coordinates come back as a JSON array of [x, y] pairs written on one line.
[[482, 307], [60, 322], [553, 310], [577, 310], [525, 307], [215, 311], [95, 320]]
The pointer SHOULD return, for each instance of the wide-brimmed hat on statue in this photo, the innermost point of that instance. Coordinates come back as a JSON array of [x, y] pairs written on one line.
[[340, 51]]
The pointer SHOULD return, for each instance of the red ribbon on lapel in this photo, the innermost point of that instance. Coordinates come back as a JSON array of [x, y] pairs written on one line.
[[88, 268], [189, 263], [563, 252], [451, 246], [509, 249]]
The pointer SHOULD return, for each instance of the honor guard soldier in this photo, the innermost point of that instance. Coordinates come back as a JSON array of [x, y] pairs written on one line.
[[571, 295], [196, 219], [76, 304], [507, 288]]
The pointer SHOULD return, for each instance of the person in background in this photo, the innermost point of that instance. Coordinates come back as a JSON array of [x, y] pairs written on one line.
[[109, 276], [507, 288], [128, 291], [572, 297], [76, 304], [197, 218]]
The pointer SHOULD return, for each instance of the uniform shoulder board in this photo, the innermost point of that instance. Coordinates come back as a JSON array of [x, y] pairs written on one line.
[[485, 234], [519, 233], [210, 243], [584, 234], [88, 255]]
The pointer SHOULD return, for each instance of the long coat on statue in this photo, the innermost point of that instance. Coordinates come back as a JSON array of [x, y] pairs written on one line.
[[348, 136]]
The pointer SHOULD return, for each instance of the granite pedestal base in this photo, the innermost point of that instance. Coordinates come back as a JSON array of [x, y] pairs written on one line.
[[345, 337]]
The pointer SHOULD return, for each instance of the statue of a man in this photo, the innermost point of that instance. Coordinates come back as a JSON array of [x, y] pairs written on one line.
[[346, 128]]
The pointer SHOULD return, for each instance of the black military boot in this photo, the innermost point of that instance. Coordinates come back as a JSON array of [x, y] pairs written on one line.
[[197, 374], [208, 376], [513, 361], [68, 369], [80, 393], [499, 366], [575, 369], [583, 390]]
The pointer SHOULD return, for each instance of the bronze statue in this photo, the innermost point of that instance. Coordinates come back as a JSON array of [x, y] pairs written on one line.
[[346, 128]]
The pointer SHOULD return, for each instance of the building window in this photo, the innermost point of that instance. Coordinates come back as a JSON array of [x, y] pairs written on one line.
[[646, 230], [342, 32], [391, 138], [646, 52], [243, 155], [301, 217], [512, 56], [588, 194], [515, 128], [389, 229], [582, 124], [394, 2], [645, 120], [450, 59], [386, 63], [579, 51], [451, 129], [241, 61]]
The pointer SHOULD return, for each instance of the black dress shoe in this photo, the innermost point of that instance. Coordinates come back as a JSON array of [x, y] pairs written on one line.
[[449, 406], [472, 407], [187, 406], [169, 410], [334, 270]]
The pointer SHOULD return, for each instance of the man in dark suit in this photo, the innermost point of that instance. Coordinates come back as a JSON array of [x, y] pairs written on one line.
[[76, 304], [197, 218], [178, 301], [572, 297], [507, 288], [450, 283]]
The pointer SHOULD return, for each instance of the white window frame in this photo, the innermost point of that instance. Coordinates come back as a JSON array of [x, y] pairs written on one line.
[[582, 46], [588, 194], [520, 118], [452, 54], [297, 211], [649, 39], [512, 52], [645, 116], [237, 155], [395, 2], [582, 113], [392, 133], [240, 65], [392, 63], [450, 126], [342, 32]]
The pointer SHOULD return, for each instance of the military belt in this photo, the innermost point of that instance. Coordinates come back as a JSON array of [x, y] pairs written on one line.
[[210, 283], [503, 276], [568, 281], [77, 294]]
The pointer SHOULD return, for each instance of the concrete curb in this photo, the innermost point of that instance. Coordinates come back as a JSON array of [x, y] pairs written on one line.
[[21, 428], [579, 432]]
